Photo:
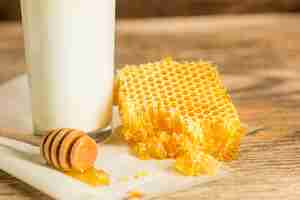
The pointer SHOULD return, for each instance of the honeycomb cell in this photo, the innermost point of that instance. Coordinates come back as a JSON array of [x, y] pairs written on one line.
[[170, 108]]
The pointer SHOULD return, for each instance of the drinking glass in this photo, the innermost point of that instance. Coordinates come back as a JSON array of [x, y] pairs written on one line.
[[69, 47]]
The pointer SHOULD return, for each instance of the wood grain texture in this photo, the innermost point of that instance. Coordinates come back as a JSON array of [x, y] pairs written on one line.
[[10, 9], [158, 8], [259, 59]]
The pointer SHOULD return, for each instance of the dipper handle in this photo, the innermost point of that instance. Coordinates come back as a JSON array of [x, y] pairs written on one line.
[[20, 136]]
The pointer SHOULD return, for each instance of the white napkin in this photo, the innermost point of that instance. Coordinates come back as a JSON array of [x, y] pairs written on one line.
[[24, 162]]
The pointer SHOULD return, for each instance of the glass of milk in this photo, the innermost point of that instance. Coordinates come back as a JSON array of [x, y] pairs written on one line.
[[69, 47]]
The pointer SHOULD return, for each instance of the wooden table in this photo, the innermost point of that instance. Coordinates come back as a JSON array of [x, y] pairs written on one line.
[[259, 56]]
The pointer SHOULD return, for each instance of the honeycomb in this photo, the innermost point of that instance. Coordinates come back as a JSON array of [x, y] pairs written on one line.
[[173, 109], [196, 163]]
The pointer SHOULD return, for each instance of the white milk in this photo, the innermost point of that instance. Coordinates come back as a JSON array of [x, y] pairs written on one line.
[[69, 49]]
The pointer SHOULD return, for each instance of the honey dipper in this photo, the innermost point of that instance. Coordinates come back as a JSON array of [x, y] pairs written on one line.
[[65, 149]]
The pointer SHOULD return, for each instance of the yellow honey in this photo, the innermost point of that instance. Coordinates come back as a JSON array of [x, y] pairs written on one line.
[[93, 177], [173, 109], [134, 195], [196, 163]]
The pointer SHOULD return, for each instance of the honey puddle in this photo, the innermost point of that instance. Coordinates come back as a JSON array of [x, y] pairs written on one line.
[[93, 177]]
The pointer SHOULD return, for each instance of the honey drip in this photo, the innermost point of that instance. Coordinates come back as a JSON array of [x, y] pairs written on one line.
[[93, 177]]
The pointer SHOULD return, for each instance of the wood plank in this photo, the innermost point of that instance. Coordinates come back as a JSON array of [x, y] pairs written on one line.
[[157, 8], [10, 9], [259, 58]]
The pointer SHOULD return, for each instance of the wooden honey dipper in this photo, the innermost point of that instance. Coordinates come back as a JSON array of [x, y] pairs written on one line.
[[65, 149]]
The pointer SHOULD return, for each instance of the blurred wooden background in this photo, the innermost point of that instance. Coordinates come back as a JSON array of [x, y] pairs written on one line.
[[9, 9]]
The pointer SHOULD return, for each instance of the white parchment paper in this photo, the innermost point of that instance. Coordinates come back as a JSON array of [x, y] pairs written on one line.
[[24, 162]]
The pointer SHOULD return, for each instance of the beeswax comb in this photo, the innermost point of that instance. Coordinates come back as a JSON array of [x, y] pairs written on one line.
[[170, 109]]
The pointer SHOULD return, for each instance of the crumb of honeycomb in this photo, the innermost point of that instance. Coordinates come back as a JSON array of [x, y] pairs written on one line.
[[196, 163], [134, 195], [169, 108]]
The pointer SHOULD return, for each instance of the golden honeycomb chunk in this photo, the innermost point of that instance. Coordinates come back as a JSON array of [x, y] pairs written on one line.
[[196, 163], [169, 108]]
